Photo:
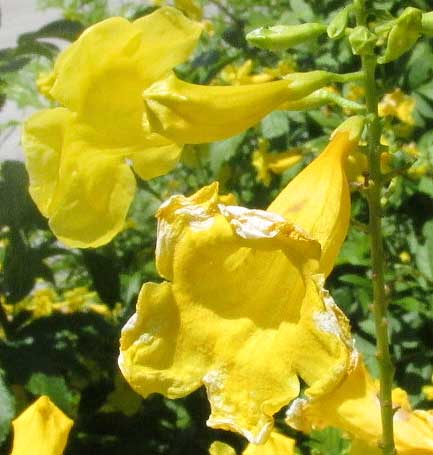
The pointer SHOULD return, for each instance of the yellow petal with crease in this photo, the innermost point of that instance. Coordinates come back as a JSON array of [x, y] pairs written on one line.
[[318, 198], [234, 314], [193, 114], [85, 191], [42, 429]]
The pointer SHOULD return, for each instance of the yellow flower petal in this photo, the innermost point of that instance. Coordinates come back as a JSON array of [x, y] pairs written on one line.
[[242, 342], [42, 141], [354, 408], [318, 199], [117, 60], [175, 108], [42, 429], [83, 191], [362, 448], [277, 444], [158, 157]]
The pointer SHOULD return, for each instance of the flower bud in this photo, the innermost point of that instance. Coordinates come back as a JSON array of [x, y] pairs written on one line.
[[403, 35], [284, 36], [362, 41], [338, 24]]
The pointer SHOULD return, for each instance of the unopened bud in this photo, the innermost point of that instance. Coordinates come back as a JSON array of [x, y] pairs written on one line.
[[338, 24], [362, 41], [403, 35], [284, 36]]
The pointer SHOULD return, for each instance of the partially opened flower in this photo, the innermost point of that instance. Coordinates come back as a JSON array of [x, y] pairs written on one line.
[[354, 407], [242, 311], [78, 155], [42, 429]]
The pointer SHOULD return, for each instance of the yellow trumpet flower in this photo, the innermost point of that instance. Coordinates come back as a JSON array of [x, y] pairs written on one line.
[[243, 311], [354, 407], [193, 114], [78, 155], [42, 429]]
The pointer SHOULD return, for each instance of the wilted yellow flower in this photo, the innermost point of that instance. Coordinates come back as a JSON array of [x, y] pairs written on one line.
[[78, 155], [265, 162], [397, 104], [243, 310], [42, 429], [175, 108], [354, 407]]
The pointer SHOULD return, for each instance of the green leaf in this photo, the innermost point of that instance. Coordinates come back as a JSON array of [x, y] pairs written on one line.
[[275, 125], [420, 64], [302, 10], [426, 186], [7, 408], [63, 29], [220, 152], [56, 389], [356, 280], [328, 442]]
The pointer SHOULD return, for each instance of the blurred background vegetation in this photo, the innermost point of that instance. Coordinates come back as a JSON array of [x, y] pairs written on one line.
[[61, 310]]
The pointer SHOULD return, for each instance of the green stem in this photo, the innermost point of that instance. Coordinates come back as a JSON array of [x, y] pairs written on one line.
[[374, 130]]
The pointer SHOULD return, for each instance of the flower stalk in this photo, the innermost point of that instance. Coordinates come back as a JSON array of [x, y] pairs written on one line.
[[375, 182]]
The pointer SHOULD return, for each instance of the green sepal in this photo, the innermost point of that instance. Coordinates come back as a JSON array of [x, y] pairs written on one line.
[[280, 37], [362, 41], [403, 35], [337, 26]]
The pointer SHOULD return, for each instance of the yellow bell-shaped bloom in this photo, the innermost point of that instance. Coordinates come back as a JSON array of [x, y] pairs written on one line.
[[318, 199], [78, 155], [354, 408], [42, 429], [277, 444], [243, 311], [194, 114]]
